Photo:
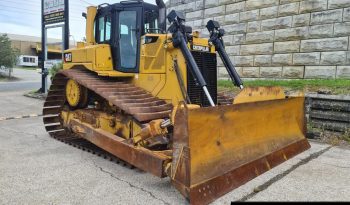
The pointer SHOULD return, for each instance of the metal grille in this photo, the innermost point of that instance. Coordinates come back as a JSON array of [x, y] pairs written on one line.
[[207, 65]]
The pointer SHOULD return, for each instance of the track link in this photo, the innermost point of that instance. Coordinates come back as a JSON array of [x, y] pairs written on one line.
[[225, 98], [122, 94]]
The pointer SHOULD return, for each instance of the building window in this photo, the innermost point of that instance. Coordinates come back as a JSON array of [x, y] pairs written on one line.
[[28, 60]]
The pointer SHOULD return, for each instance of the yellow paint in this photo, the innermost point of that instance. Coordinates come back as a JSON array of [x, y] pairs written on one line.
[[153, 55], [227, 137], [119, 125], [90, 18], [73, 94], [220, 139], [156, 72], [103, 57], [50, 49], [88, 66], [203, 42], [114, 74], [254, 94], [181, 105]]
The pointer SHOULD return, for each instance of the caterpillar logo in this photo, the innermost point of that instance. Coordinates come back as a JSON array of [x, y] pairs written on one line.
[[201, 48], [68, 57]]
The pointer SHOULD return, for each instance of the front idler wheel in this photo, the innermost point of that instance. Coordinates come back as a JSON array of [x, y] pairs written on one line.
[[76, 95]]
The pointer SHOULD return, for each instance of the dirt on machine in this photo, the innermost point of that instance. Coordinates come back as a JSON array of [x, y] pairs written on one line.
[[146, 94]]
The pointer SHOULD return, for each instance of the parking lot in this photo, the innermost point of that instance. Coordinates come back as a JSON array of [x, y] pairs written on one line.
[[36, 169]]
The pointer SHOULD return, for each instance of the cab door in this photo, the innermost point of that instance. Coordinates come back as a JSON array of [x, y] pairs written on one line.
[[128, 33]]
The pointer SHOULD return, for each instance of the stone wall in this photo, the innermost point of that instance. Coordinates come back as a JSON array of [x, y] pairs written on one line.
[[278, 38], [329, 112]]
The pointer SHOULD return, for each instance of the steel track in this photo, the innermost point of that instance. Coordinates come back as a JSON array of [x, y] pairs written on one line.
[[129, 98], [125, 96]]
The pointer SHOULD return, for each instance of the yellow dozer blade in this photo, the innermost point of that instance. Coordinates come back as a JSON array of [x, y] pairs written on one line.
[[217, 149]]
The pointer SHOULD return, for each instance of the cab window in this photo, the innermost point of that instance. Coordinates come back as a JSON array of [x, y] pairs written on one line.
[[108, 28], [151, 22], [104, 29], [128, 39], [101, 29]]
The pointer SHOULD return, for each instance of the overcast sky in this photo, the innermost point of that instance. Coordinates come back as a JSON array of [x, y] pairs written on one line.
[[23, 17]]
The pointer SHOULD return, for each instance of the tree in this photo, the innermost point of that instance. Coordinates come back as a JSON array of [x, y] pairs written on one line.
[[57, 67], [8, 55]]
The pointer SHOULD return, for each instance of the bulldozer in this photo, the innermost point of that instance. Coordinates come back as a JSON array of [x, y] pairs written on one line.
[[143, 88]]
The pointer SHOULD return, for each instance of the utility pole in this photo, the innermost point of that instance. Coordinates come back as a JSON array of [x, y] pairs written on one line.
[[43, 54], [66, 24]]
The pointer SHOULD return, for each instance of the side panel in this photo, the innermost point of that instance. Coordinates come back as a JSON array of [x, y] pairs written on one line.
[[103, 58], [157, 72], [97, 58], [153, 54]]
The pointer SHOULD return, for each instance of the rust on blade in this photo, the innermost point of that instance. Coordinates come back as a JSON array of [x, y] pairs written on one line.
[[255, 94], [214, 188], [227, 146], [213, 149]]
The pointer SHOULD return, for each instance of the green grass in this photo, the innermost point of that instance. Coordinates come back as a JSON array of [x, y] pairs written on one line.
[[338, 86], [346, 136]]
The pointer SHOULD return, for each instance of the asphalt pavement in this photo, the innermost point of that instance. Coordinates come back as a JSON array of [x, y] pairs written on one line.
[[13, 103], [28, 80], [36, 169]]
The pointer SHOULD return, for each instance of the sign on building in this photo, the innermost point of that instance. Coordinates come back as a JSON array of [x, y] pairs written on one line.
[[48, 64], [53, 11]]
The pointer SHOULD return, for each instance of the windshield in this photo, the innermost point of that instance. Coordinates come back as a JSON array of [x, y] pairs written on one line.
[[128, 39]]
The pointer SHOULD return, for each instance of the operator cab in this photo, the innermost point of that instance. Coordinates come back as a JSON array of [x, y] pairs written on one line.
[[121, 25]]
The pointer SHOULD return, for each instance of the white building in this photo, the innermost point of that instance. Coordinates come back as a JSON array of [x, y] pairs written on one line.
[[28, 61]]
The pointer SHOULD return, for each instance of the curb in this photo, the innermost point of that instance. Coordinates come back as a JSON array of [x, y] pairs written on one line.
[[20, 117], [35, 96]]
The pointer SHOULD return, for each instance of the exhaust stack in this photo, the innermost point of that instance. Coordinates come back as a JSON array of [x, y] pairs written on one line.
[[90, 18]]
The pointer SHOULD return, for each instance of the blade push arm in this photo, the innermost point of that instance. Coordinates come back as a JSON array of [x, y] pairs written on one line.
[[216, 35]]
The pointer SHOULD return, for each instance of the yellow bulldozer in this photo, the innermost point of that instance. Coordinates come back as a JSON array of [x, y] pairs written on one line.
[[146, 93]]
